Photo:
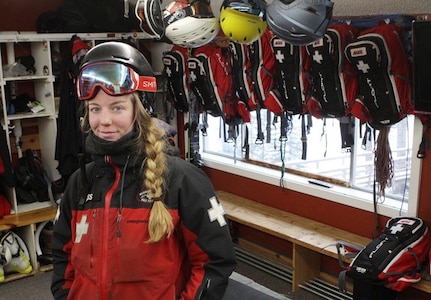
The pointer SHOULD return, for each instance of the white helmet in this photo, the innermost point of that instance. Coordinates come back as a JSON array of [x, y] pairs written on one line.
[[299, 22], [190, 25]]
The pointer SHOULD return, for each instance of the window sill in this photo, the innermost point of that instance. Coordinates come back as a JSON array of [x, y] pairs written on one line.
[[343, 195]]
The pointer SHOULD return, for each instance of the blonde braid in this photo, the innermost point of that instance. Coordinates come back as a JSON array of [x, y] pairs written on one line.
[[160, 222], [154, 167]]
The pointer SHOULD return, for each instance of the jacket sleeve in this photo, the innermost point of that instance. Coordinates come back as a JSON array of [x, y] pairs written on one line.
[[206, 235], [62, 242]]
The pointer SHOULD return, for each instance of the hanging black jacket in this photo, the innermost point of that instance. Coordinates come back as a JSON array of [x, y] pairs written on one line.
[[69, 141]]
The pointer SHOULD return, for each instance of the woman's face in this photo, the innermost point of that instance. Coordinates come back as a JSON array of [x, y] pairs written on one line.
[[110, 117]]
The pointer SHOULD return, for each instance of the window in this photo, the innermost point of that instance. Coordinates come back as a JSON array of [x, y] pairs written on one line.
[[328, 156]]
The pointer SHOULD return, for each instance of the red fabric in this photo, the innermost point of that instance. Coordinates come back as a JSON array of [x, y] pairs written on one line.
[[313, 107], [2, 169], [360, 111], [5, 207], [244, 112], [399, 282], [78, 44], [398, 70], [220, 76], [265, 85]]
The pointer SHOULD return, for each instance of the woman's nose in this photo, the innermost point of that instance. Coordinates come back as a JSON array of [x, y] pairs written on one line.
[[105, 118]]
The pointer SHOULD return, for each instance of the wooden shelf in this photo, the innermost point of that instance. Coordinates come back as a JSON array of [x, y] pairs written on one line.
[[27, 218]]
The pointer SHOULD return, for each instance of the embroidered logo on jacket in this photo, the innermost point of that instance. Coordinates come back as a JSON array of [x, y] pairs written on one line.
[[144, 197], [89, 197]]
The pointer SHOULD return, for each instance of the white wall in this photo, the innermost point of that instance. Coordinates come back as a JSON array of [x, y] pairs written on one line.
[[363, 7], [376, 7]]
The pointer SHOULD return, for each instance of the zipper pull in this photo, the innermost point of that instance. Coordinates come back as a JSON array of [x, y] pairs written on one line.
[[118, 226]]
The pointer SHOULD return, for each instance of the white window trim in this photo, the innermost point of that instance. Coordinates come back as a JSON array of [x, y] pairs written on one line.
[[343, 195]]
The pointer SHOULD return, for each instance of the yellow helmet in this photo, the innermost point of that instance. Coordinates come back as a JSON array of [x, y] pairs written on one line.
[[240, 26]]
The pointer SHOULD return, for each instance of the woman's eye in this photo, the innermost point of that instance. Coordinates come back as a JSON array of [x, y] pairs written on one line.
[[117, 108], [94, 109]]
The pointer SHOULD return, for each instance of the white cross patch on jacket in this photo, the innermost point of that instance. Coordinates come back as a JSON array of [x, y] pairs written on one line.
[[216, 212], [81, 229]]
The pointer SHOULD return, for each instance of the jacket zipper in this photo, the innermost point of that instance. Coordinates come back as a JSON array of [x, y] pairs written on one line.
[[105, 232]]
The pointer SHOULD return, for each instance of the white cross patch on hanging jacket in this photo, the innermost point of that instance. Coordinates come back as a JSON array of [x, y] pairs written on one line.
[[216, 212]]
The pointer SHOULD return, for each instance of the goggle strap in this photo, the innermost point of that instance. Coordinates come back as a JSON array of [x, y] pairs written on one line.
[[147, 84]]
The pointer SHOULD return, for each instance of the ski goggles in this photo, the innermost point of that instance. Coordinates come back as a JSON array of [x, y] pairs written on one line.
[[149, 14], [177, 10], [244, 6], [114, 79]]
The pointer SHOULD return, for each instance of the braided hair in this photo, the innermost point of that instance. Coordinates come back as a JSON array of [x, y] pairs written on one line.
[[152, 145]]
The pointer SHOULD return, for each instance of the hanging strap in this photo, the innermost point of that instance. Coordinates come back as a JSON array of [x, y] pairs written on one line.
[[246, 145], [424, 142], [85, 183], [260, 136], [303, 137], [268, 126], [377, 227]]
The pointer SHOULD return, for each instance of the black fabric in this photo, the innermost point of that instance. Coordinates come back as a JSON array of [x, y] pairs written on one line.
[[126, 144], [88, 16], [364, 291], [288, 76], [50, 21], [176, 70], [21, 101], [96, 16], [69, 142], [31, 183], [239, 291], [202, 86]]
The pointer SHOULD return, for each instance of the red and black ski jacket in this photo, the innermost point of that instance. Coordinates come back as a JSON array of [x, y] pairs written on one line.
[[99, 243]]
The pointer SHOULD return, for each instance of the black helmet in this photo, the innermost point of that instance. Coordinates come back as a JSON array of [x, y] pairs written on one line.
[[125, 54], [119, 52], [149, 15], [299, 22]]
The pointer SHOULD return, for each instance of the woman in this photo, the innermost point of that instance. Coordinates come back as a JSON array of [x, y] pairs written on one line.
[[136, 223]]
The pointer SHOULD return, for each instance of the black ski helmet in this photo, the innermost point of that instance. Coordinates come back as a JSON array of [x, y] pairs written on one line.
[[149, 15], [299, 22], [119, 52], [126, 54]]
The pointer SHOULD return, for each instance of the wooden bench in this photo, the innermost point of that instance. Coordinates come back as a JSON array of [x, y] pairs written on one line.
[[310, 239]]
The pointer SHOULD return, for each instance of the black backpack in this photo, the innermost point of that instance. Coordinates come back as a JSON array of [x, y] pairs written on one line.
[[291, 80], [384, 93], [176, 70], [335, 81], [32, 185], [391, 262]]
